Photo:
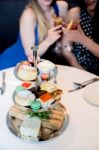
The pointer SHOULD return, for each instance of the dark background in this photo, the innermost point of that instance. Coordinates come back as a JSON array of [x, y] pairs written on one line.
[[10, 11]]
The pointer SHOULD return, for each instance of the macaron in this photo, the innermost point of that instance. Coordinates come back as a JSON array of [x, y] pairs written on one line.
[[19, 88], [35, 105]]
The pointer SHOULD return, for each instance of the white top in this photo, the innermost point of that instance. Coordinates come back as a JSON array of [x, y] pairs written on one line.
[[82, 132]]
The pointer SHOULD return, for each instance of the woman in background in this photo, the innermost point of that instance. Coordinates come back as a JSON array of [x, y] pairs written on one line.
[[38, 22], [85, 53], [37, 29]]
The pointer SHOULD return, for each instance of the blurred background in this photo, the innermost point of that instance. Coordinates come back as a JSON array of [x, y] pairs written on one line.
[[10, 11]]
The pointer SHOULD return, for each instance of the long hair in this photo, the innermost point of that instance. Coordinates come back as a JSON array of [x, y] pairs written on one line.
[[42, 23], [95, 22]]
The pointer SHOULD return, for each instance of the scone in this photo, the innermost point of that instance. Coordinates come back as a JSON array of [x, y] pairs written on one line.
[[27, 73]]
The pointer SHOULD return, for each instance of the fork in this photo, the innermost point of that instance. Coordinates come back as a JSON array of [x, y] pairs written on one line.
[[83, 84], [86, 82], [3, 87]]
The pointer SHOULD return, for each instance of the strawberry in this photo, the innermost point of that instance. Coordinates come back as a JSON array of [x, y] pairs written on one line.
[[45, 76]]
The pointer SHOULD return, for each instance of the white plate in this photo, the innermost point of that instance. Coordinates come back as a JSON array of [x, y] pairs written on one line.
[[91, 93]]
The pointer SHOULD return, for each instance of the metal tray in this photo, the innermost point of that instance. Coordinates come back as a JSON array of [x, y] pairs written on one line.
[[16, 129], [52, 76]]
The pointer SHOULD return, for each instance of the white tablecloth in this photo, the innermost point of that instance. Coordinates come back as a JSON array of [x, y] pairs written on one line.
[[82, 132]]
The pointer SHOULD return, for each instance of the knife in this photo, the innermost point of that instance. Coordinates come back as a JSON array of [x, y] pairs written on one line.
[[77, 88]]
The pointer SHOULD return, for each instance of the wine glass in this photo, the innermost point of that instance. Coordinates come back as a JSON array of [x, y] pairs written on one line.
[[71, 25], [57, 21]]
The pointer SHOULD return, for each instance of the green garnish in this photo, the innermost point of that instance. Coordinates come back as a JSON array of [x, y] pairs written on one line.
[[41, 115]]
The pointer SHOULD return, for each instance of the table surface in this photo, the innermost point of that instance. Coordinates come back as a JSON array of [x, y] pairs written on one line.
[[82, 132]]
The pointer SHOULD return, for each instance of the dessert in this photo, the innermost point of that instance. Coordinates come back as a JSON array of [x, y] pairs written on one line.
[[46, 66], [35, 105], [24, 98], [48, 86], [26, 73], [19, 88], [45, 76], [28, 85], [46, 100], [44, 118]]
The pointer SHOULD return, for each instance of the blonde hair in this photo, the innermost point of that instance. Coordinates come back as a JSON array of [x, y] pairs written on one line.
[[41, 21]]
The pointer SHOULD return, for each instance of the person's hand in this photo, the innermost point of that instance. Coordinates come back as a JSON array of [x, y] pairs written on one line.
[[73, 35], [54, 34], [30, 59]]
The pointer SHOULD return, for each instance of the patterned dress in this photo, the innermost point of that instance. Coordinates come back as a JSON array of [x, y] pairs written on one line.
[[83, 55]]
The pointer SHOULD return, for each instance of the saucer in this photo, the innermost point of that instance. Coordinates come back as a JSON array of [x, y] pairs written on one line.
[[91, 93]]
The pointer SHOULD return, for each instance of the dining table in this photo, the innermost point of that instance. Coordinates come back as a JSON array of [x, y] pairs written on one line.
[[82, 131]]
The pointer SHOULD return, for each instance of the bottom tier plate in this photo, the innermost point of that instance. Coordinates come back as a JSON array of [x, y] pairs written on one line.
[[14, 126]]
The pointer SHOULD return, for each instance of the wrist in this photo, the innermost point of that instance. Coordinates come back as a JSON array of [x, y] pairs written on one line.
[[83, 39], [47, 42]]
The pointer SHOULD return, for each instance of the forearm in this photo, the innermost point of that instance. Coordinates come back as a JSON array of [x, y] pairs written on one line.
[[70, 57], [91, 45], [74, 14], [43, 47]]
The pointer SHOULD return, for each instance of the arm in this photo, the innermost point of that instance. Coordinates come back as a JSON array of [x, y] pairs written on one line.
[[74, 14], [70, 57], [79, 36], [27, 26]]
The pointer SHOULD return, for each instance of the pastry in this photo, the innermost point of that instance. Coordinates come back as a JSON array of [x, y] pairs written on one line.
[[45, 66], [48, 86], [24, 98], [27, 73], [46, 100]]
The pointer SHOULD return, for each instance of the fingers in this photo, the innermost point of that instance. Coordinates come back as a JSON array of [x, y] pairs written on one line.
[[30, 59], [59, 27]]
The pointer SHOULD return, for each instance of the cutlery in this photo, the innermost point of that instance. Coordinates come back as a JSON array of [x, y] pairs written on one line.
[[83, 84], [86, 82], [3, 87]]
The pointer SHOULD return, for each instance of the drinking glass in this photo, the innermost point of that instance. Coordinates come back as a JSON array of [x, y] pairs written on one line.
[[71, 25], [57, 21]]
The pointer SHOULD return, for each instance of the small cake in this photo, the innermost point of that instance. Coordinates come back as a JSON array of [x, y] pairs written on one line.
[[35, 105], [24, 98], [46, 100], [30, 128], [48, 86], [46, 66], [45, 76], [28, 85], [19, 88], [27, 73]]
